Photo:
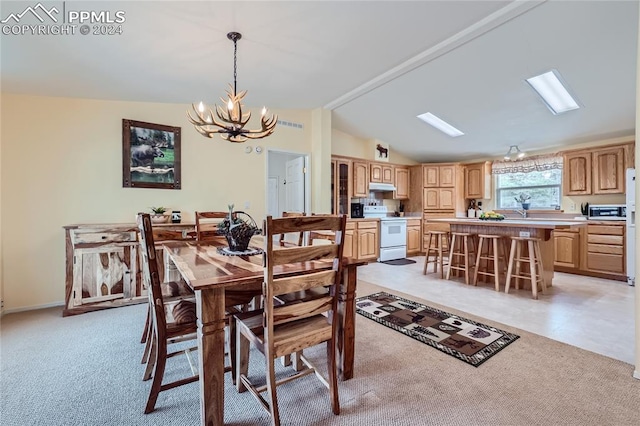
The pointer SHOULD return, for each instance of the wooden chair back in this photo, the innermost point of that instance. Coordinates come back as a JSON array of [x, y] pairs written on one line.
[[150, 270], [300, 234], [207, 224], [323, 267]]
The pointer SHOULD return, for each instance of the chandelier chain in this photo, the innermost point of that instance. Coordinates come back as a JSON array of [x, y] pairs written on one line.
[[235, 65]]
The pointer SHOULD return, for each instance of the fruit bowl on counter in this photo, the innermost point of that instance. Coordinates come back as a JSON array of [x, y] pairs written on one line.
[[491, 215]]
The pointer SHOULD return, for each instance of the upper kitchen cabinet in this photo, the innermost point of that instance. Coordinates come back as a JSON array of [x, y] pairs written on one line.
[[608, 170], [341, 186], [360, 179], [477, 180], [402, 183], [438, 176], [576, 174], [597, 171], [381, 173]]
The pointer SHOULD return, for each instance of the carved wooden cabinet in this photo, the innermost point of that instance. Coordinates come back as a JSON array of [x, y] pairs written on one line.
[[368, 239], [341, 186], [402, 183], [439, 199], [608, 170], [414, 236], [477, 181], [597, 171], [103, 265], [349, 240], [567, 248], [388, 174], [376, 172], [360, 179]]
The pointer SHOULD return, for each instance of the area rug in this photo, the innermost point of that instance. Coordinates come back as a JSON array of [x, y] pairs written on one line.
[[465, 339]]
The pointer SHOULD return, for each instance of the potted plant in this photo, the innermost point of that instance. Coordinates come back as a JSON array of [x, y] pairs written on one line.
[[159, 215], [523, 199], [238, 228]]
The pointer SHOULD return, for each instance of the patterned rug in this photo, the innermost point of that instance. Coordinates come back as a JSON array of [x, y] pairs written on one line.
[[465, 339]]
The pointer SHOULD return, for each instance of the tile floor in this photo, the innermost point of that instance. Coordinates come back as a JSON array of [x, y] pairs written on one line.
[[591, 313]]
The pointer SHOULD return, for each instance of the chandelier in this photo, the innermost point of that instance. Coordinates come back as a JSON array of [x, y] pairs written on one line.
[[514, 152], [229, 122]]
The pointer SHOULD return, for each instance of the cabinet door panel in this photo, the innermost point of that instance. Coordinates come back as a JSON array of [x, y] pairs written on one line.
[[447, 175], [446, 198], [608, 171], [473, 182], [348, 244], [402, 183], [567, 249], [430, 199], [413, 239], [360, 179], [577, 174], [431, 176], [376, 172], [387, 174]]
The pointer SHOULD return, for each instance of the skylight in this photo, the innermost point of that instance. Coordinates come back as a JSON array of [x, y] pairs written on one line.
[[439, 124], [554, 94]]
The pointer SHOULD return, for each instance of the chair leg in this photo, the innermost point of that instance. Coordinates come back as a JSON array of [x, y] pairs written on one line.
[[231, 348], [153, 357], [242, 359], [271, 391], [426, 257], [543, 283], [496, 271], [333, 376], [532, 270], [440, 259], [147, 342], [466, 260], [512, 254], [475, 274], [452, 245], [296, 361], [145, 332], [158, 374]]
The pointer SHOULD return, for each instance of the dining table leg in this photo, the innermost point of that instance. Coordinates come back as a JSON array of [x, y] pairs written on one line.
[[347, 324], [211, 313]]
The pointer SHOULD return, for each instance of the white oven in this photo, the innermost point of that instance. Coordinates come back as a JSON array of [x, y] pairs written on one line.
[[393, 233]]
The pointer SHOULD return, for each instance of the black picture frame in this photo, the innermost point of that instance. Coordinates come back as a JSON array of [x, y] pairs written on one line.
[[150, 155]]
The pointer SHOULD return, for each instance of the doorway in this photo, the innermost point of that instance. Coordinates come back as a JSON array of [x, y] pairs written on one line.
[[288, 183]]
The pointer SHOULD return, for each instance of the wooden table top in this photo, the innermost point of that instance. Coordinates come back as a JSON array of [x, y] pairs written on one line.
[[202, 266], [515, 223]]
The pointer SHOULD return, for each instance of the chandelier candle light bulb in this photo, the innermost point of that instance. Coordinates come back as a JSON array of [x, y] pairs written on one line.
[[230, 124]]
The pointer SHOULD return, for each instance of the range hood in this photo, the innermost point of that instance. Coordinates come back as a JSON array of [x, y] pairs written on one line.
[[381, 187]]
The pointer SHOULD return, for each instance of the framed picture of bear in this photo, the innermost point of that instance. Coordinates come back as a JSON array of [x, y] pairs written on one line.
[[150, 155]]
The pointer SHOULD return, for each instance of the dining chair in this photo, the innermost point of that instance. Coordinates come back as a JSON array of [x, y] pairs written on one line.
[[207, 224], [283, 329], [283, 241], [171, 320]]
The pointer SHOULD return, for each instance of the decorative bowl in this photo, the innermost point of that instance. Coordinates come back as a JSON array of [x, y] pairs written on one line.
[[160, 218]]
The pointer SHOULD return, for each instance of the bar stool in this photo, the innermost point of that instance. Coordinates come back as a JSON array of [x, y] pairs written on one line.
[[533, 258], [460, 242], [492, 255], [438, 240]]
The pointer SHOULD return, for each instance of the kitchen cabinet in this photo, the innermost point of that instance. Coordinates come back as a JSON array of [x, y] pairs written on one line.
[[431, 176], [567, 249], [414, 235], [576, 173], [340, 186], [608, 170], [388, 174], [368, 239], [402, 183], [360, 179], [381, 173], [447, 175], [349, 240], [376, 172], [103, 265], [597, 171], [439, 199], [605, 248], [477, 181]]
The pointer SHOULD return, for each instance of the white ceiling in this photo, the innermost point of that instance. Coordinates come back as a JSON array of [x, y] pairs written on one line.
[[376, 64]]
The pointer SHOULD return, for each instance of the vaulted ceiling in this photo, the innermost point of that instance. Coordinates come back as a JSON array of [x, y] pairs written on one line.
[[375, 64]]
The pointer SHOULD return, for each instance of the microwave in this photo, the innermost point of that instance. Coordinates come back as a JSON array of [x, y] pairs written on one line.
[[608, 212]]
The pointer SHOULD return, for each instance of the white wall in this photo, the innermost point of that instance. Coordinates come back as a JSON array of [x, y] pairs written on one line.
[[61, 164]]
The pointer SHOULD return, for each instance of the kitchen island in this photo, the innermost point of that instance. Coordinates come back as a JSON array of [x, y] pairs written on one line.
[[535, 228]]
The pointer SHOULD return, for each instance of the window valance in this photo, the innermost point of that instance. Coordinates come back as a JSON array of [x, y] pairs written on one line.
[[526, 165]]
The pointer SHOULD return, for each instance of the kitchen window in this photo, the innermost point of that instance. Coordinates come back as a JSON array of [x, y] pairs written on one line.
[[540, 177]]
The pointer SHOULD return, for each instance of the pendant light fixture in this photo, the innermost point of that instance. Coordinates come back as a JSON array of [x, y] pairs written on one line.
[[229, 122], [513, 153]]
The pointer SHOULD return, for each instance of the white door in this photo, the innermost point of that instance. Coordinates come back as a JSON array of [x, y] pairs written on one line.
[[272, 197], [295, 185]]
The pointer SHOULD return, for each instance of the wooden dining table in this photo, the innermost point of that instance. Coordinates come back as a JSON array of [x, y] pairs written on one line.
[[211, 274]]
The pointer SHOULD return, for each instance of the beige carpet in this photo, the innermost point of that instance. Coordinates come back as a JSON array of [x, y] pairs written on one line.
[[85, 370]]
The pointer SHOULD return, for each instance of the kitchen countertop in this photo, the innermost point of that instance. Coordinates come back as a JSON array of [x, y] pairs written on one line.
[[515, 223]]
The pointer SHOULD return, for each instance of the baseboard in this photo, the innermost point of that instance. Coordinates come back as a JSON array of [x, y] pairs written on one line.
[[32, 308]]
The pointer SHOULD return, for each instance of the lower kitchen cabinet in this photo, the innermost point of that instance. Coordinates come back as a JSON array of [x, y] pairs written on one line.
[[103, 265], [595, 250], [349, 249], [414, 235], [368, 239]]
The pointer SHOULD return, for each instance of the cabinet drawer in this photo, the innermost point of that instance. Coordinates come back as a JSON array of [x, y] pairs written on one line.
[[606, 229], [367, 225], [84, 237], [605, 239], [413, 222], [605, 262], [604, 248], [350, 226]]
